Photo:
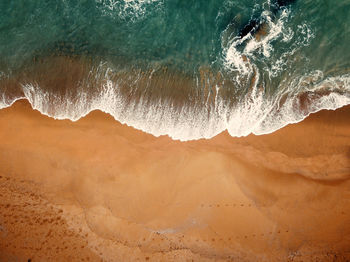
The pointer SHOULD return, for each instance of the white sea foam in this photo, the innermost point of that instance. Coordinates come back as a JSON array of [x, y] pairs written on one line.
[[126, 9], [4, 103], [264, 46], [241, 61], [256, 113], [292, 111], [240, 54]]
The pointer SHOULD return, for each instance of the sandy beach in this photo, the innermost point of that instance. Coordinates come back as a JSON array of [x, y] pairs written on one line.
[[97, 190]]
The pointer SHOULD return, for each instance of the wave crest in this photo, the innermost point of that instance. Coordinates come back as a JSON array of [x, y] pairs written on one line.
[[188, 114]]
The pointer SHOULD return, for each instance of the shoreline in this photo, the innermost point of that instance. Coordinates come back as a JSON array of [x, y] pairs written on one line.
[[153, 198], [165, 102]]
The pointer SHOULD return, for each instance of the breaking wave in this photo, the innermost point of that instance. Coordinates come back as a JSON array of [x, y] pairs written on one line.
[[208, 116]]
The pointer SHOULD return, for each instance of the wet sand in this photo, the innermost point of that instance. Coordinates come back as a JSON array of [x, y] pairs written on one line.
[[96, 190]]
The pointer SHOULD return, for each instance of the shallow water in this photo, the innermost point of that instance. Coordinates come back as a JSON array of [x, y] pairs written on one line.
[[176, 67]]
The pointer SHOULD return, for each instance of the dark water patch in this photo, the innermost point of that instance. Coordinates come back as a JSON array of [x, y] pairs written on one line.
[[255, 24]]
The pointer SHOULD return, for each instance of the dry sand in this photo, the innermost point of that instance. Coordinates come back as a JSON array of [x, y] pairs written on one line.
[[96, 190]]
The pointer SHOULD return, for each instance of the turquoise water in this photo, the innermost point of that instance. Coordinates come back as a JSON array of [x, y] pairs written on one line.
[[177, 67]]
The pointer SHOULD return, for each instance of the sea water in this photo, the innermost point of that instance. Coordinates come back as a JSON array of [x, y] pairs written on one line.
[[183, 68]]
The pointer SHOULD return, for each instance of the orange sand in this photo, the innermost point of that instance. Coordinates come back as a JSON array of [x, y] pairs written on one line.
[[96, 190]]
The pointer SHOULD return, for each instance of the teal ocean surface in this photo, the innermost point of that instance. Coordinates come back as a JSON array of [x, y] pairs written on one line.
[[189, 69]]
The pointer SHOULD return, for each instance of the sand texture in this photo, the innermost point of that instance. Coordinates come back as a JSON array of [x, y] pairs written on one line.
[[96, 190]]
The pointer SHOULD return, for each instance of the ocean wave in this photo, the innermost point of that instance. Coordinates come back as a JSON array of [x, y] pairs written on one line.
[[255, 113]]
